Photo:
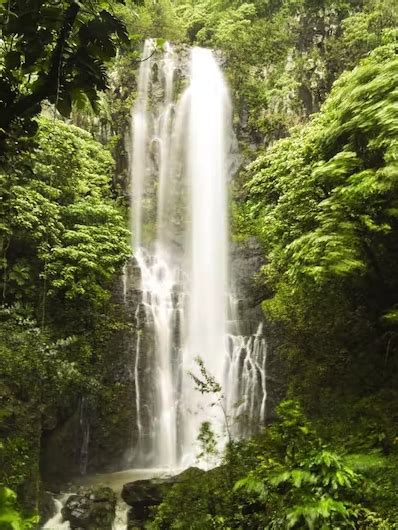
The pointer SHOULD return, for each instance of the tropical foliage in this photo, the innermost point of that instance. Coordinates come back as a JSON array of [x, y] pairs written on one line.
[[55, 52], [323, 203], [63, 238], [285, 478], [315, 88]]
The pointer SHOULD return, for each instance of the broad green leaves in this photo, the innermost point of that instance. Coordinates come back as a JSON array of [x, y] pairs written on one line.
[[54, 51], [324, 203], [10, 518], [326, 197], [301, 483]]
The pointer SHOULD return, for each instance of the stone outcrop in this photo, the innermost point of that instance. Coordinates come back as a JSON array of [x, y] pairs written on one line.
[[92, 509], [145, 495]]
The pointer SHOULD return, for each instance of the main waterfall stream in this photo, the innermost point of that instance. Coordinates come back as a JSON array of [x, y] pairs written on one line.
[[180, 171]]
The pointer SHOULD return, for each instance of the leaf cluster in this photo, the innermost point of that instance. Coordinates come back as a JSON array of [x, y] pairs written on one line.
[[323, 202], [56, 52]]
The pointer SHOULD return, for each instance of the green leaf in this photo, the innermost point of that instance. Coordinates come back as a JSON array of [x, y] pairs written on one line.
[[160, 43], [64, 105]]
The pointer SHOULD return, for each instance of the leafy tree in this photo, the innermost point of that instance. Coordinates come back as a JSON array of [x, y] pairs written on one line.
[[63, 239], [153, 19], [323, 202], [55, 52], [36, 375], [62, 226]]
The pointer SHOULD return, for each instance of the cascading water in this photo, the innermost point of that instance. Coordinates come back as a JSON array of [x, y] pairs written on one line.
[[208, 126], [179, 179], [56, 522]]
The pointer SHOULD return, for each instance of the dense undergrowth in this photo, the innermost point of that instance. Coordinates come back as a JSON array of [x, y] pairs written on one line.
[[287, 477], [63, 239]]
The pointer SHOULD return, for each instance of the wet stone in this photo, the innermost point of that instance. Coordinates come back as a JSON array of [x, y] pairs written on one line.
[[145, 495], [92, 509]]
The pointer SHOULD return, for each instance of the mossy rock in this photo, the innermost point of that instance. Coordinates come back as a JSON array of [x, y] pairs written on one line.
[[92, 509]]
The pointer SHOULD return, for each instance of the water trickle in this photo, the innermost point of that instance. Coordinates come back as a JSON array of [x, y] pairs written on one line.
[[246, 383], [84, 435], [56, 522], [179, 178]]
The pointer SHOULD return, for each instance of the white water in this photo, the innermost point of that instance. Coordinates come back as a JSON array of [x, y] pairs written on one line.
[[115, 481], [207, 245], [179, 179], [179, 224], [56, 522], [139, 125]]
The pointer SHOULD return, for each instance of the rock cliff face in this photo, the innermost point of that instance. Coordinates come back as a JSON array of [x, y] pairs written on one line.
[[247, 258]]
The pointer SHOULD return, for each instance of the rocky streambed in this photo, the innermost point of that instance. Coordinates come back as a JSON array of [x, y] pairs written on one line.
[[108, 502]]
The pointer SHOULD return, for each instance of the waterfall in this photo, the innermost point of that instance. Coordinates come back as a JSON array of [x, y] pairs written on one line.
[[139, 125], [179, 180], [208, 126]]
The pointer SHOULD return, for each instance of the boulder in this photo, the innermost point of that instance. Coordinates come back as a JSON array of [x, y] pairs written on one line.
[[92, 509], [144, 495]]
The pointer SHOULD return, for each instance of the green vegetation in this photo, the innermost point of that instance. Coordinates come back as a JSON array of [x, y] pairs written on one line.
[[63, 239], [323, 203], [285, 478], [283, 56], [315, 90], [55, 52], [9, 516]]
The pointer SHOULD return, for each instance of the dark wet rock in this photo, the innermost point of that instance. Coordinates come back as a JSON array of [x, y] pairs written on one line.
[[247, 259], [59, 452], [145, 495], [46, 506], [93, 509]]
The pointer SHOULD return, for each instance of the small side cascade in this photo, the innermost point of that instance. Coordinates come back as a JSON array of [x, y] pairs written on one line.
[[246, 382], [84, 435], [57, 522]]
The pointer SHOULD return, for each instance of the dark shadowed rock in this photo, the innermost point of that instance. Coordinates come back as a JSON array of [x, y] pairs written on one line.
[[46, 506], [92, 509], [144, 495]]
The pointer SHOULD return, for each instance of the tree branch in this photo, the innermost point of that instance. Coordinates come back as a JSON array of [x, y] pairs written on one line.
[[49, 87]]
